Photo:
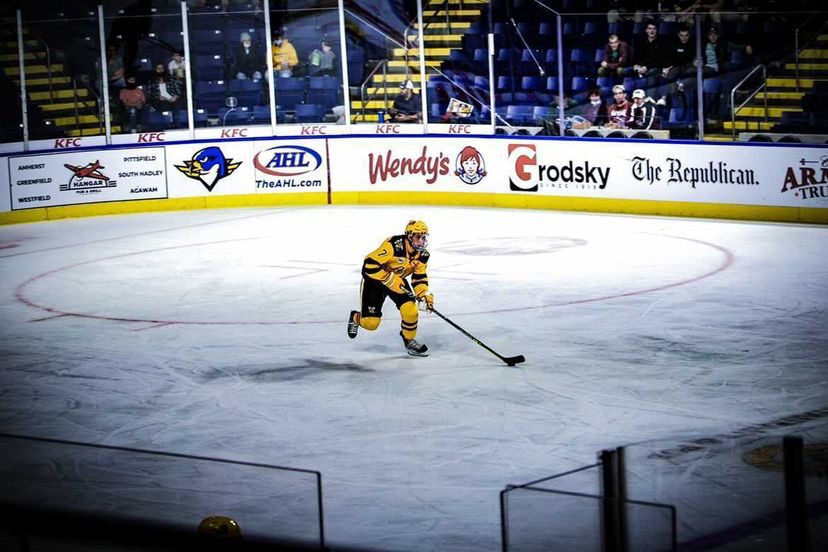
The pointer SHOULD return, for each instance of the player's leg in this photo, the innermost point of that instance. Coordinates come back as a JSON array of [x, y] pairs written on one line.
[[372, 295], [408, 325]]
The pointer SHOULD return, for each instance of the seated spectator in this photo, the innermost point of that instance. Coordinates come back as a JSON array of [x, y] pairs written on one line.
[[114, 68], [643, 112], [714, 54], [679, 56], [321, 62], [648, 54], [164, 93], [408, 107], [619, 112], [249, 62], [616, 60], [176, 68], [284, 56], [595, 110], [568, 103], [133, 100]]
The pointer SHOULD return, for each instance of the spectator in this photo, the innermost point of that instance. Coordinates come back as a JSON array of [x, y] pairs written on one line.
[[163, 93], [648, 54], [679, 56], [619, 112], [249, 61], [321, 62], [176, 68], [284, 56], [407, 106], [714, 54], [133, 100], [114, 67], [643, 112], [568, 103], [616, 60], [595, 111]]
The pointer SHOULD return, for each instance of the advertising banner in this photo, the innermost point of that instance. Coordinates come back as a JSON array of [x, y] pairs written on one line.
[[417, 164], [72, 178], [738, 174], [287, 166], [247, 167]]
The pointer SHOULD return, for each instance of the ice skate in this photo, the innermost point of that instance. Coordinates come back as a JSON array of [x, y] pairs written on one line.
[[353, 325], [414, 348]]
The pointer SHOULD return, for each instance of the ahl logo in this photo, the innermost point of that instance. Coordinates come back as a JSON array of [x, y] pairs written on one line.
[[87, 179], [287, 161], [208, 166], [521, 157], [470, 166]]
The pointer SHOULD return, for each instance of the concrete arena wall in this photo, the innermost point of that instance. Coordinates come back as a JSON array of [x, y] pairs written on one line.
[[768, 182]]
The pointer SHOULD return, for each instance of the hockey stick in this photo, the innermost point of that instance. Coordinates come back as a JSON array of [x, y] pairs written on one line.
[[511, 361]]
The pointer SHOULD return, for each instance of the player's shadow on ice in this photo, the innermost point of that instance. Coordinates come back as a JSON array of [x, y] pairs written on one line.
[[269, 373]]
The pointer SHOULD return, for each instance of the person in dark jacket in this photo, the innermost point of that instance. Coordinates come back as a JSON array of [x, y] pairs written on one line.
[[616, 61], [643, 112], [648, 55], [249, 61]]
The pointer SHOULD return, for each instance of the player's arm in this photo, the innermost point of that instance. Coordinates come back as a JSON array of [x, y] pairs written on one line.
[[419, 279], [374, 267]]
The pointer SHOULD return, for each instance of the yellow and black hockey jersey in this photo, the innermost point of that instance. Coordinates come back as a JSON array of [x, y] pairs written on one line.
[[390, 264]]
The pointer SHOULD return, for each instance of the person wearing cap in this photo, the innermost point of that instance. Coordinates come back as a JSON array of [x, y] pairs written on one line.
[[643, 113], [619, 112], [284, 56], [407, 106], [249, 61]]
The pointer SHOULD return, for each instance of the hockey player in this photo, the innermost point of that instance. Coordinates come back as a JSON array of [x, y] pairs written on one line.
[[384, 274]]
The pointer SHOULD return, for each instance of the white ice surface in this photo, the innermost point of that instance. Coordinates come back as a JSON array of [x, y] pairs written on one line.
[[222, 333]]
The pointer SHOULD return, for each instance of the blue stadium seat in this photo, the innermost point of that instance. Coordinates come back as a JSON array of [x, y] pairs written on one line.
[[541, 112], [209, 94], [323, 91], [209, 67], [579, 84], [289, 92], [159, 120], [309, 113], [551, 84], [248, 91], [235, 117], [531, 84], [520, 115], [261, 114]]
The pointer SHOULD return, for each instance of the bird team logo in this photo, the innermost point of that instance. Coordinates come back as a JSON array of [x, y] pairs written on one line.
[[208, 166], [521, 158], [87, 177], [470, 166]]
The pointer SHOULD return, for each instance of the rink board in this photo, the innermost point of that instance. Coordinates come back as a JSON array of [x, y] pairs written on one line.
[[768, 182]]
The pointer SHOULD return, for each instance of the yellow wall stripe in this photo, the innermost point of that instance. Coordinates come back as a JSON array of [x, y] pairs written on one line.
[[520, 201]]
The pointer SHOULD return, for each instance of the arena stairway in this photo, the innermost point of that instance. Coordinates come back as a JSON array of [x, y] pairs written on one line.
[[781, 93], [57, 105], [440, 38]]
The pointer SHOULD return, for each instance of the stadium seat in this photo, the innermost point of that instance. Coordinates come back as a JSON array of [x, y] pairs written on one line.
[[247, 91], [324, 91], [289, 92], [159, 120], [309, 113]]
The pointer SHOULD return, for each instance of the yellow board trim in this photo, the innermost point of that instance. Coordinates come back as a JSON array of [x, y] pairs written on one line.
[[810, 215], [152, 205]]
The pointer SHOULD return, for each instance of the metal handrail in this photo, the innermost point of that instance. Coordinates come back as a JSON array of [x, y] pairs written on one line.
[[796, 45], [734, 109], [445, 7], [40, 39], [384, 65]]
